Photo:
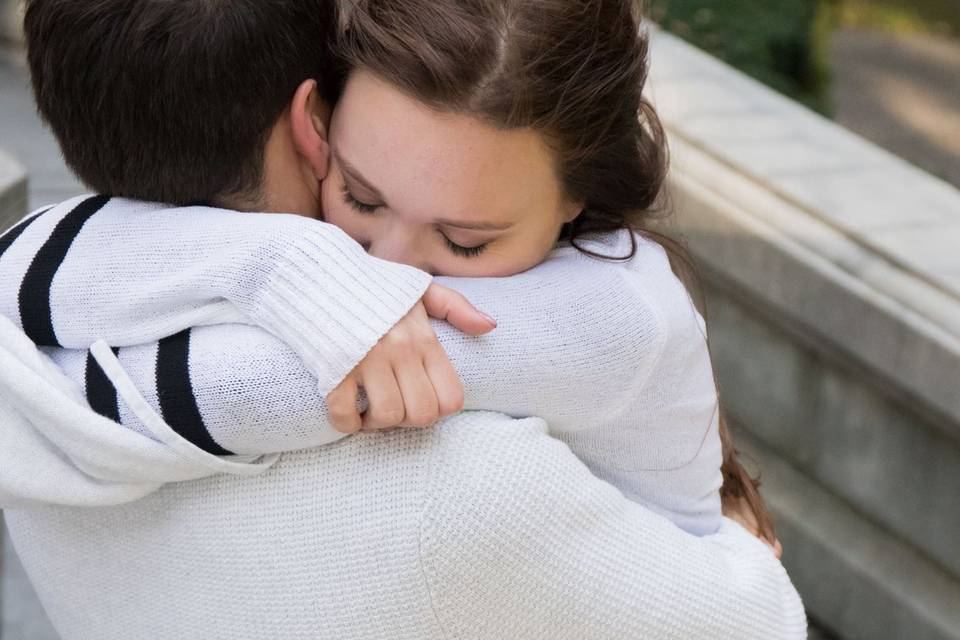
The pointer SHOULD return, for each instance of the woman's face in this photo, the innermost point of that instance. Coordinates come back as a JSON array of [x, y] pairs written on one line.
[[443, 192]]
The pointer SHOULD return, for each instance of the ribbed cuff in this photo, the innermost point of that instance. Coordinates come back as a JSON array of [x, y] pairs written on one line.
[[330, 301]]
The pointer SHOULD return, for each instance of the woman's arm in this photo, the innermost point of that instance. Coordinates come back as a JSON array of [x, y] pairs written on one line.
[[572, 345]]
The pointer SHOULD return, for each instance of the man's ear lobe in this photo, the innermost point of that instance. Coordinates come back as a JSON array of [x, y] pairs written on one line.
[[309, 118]]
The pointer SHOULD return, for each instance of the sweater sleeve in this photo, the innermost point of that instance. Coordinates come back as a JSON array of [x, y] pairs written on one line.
[[518, 540], [227, 389], [574, 342], [576, 339], [130, 273], [566, 329]]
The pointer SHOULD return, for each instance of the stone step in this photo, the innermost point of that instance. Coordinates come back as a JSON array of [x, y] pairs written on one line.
[[832, 281], [861, 582], [781, 324]]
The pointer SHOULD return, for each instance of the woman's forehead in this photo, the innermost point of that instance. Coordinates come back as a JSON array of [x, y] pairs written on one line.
[[408, 151]]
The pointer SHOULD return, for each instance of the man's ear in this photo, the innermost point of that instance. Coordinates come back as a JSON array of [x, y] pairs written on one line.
[[309, 122]]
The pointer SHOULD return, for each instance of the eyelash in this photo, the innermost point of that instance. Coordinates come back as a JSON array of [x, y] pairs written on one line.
[[367, 208], [359, 206], [465, 252]]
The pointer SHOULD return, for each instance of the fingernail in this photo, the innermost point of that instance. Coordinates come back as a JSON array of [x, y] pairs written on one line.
[[489, 319]]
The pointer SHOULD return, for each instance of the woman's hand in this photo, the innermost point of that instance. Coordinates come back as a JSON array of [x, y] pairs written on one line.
[[738, 510], [407, 376]]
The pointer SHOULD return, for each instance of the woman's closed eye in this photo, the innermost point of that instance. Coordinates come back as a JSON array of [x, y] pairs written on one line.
[[460, 250], [368, 208], [358, 205]]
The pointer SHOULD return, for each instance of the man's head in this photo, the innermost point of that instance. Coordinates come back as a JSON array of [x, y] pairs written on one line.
[[178, 101]]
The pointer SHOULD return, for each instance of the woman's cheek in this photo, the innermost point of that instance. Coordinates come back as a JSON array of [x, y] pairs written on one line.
[[352, 224]]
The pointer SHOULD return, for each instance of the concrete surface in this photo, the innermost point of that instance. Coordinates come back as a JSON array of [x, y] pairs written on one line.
[[21, 616], [867, 584], [11, 18], [23, 136], [902, 92], [835, 328]]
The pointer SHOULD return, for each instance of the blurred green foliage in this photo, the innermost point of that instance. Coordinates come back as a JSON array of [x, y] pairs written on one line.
[[782, 43], [939, 17]]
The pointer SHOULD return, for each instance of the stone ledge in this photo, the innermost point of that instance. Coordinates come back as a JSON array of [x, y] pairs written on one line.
[[829, 418], [905, 219], [795, 264], [841, 379], [860, 581], [835, 327]]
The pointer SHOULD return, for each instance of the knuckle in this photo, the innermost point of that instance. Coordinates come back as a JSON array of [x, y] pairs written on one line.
[[388, 416], [398, 335], [452, 403], [344, 427], [338, 407], [422, 416], [426, 340]]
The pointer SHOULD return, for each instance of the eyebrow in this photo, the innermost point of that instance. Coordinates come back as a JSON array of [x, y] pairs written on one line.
[[357, 177], [478, 226]]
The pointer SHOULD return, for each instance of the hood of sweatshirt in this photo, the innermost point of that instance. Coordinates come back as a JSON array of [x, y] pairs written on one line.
[[55, 450]]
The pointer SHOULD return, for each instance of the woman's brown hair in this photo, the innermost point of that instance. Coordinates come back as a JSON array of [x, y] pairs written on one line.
[[571, 69]]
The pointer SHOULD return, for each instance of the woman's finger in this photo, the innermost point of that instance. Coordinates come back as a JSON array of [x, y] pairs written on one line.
[[385, 403], [419, 397], [342, 406], [446, 382], [446, 304]]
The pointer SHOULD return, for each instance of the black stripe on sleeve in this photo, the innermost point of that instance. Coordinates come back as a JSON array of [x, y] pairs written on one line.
[[175, 393], [14, 232], [35, 314], [101, 393]]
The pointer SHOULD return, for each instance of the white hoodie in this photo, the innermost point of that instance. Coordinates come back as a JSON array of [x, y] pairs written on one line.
[[55, 450]]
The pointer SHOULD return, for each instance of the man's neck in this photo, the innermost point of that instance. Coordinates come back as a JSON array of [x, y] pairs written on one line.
[[298, 201]]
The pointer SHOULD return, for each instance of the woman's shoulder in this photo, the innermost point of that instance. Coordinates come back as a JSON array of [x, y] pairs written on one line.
[[640, 261], [622, 249]]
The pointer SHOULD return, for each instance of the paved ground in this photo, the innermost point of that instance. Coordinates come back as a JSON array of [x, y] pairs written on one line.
[[903, 93]]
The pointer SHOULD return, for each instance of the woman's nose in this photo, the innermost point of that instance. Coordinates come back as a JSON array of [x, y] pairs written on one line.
[[397, 247]]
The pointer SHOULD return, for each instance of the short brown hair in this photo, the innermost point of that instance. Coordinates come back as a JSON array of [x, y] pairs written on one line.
[[172, 101]]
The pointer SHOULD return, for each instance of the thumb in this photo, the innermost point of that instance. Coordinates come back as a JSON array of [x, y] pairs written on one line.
[[446, 304]]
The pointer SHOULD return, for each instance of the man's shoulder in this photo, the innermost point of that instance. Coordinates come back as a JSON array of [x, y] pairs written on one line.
[[496, 477]]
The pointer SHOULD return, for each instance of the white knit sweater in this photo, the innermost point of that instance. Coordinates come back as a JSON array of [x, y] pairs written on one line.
[[612, 354], [484, 528], [480, 528]]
